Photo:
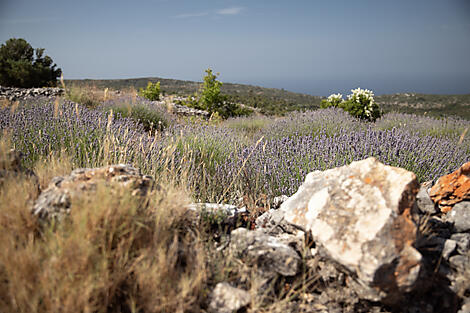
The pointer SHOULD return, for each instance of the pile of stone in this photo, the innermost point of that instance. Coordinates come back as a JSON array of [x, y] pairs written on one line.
[[381, 242], [377, 240], [12, 93], [173, 103]]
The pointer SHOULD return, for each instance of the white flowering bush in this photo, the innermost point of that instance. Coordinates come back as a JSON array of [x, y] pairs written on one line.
[[360, 104]]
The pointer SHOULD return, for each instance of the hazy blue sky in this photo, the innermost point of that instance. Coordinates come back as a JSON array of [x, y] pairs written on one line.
[[311, 46]]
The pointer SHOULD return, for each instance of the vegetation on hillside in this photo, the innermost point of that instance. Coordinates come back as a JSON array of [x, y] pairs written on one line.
[[271, 101], [268, 101], [424, 104]]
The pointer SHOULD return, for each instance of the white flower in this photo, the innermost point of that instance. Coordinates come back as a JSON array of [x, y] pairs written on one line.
[[335, 97]]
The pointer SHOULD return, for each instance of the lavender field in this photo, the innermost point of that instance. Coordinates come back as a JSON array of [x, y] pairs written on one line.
[[112, 256], [254, 157]]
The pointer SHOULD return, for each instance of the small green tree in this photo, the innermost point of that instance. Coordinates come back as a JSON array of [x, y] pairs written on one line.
[[23, 66], [152, 92], [211, 99]]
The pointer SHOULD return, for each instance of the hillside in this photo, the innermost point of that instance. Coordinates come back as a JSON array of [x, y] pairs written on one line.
[[279, 101], [267, 100], [434, 105]]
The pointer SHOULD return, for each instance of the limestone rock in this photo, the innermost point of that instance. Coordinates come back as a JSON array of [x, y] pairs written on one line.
[[270, 255], [221, 213], [459, 216], [13, 93], [277, 201], [451, 189], [448, 248], [228, 299], [360, 215], [424, 201], [463, 242], [56, 199]]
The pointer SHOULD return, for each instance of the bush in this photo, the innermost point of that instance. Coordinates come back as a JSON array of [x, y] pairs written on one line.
[[22, 66], [152, 92], [360, 104], [211, 100], [151, 118]]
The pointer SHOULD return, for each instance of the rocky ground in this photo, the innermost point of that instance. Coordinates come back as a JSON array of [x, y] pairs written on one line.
[[370, 236], [375, 239]]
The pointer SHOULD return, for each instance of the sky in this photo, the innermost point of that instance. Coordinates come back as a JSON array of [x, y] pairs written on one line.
[[316, 47]]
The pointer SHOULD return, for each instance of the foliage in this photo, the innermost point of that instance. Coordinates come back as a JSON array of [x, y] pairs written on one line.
[[270, 101], [152, 117], [211, 100], [152, 92], [116, 254], [360, 104], [89, 97], [23, 66]]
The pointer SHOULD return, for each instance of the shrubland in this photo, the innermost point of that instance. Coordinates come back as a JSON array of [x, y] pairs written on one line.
[[113, 256]]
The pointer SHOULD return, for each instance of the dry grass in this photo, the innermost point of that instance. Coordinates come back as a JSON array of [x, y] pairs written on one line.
[[114, 253], [117, 253], [91, 97]]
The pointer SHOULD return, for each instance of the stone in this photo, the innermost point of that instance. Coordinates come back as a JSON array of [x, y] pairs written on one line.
[[228, 299], [13, 93], [449, 247], [463, 242], [360, 215], [452, 189], [277, 201], [273, 223], [220, 213], [459, 216], [55, 201], [459, 262], [269, 254], [424, 201], [465, 308]]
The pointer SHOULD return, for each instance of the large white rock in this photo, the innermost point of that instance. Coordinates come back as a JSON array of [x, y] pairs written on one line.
[[360, 215]]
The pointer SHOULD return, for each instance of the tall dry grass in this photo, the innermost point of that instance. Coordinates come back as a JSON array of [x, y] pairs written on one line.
[[114, 252]]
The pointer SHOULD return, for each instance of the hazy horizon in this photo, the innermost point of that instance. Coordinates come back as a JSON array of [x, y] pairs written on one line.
[[314, 47]]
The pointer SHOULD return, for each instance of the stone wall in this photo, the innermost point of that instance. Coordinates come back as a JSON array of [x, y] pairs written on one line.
[[12, 93]]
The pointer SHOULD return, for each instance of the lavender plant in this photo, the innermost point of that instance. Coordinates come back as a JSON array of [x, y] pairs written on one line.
[[44, 126], [217, 163], [452, 128]]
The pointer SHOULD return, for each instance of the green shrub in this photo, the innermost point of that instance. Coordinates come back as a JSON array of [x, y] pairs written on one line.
[[360, 104], [25, 67], [211, 100], [151, 118], [152, 92]]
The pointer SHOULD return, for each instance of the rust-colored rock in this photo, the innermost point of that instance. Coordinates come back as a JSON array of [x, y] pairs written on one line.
[[452, 188]]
